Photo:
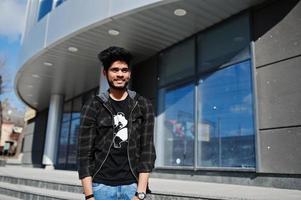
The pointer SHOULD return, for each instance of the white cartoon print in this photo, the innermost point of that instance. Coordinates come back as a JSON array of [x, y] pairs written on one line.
[[120, 129]]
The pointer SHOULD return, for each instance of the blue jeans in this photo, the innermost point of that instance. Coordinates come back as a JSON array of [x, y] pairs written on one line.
[[120, 192]]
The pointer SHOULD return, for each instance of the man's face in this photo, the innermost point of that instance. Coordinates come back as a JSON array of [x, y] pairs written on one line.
[[118, 75]]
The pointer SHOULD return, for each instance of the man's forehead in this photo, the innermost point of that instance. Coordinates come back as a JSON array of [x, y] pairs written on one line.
[[119, 64]]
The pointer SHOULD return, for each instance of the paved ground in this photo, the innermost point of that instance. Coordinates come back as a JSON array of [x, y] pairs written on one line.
[[167, 186]]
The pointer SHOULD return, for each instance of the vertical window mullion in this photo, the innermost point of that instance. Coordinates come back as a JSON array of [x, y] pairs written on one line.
[[196, 103], [196, 127]]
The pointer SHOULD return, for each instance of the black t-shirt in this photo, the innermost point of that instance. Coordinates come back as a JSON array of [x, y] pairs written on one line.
[[116, 169]]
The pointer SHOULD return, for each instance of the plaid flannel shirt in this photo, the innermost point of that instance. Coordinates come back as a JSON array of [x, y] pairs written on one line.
[[96, 135]]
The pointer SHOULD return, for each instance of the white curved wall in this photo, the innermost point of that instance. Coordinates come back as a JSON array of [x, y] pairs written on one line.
[[71, 17]]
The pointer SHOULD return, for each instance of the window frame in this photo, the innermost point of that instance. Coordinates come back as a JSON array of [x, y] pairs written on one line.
[[196, 77], [83, 96]]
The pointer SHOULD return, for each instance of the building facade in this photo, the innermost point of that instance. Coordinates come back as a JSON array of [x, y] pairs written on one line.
[[223, 76]]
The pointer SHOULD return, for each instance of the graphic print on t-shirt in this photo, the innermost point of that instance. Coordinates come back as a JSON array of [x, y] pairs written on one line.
[[120, 129]]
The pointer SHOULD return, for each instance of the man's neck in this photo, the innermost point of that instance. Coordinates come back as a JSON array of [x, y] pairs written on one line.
[[118, 95]]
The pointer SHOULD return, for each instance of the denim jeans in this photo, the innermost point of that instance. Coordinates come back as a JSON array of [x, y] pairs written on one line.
[[120, 192]]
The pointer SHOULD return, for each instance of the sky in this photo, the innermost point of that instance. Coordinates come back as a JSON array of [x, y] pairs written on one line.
[[12, 20]]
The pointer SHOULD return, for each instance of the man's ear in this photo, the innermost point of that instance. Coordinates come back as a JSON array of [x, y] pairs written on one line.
[[104, 73]]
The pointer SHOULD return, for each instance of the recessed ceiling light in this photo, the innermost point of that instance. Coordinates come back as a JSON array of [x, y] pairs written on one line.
[[29, 95], [48, 64], [35, 76], [72, 49], [180, 12], [30, 86], [35, 103], [113, 32]]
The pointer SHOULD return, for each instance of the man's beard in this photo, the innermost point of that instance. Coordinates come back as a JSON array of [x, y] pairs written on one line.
[[111, 84]]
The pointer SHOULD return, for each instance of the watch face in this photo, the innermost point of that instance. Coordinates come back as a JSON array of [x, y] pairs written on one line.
[[141, 195]]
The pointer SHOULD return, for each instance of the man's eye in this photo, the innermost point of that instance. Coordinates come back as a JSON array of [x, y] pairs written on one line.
[[114, 70], [125, 70]]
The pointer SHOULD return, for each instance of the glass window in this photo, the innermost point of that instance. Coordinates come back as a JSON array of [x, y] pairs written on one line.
[[63, 144], [69, 131], [75, 121], [224, 102], [59, 2], [77, 106], [225, 125], [72, 146], [67, 111], [225, 44], [44, 8], [176, 127], [64, 135], [177, 63]]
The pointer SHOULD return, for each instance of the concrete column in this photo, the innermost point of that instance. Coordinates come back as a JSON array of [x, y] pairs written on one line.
[[53, 130], [103, 83]]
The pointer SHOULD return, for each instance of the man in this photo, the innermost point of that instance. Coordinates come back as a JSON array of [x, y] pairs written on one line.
[[115, 144]]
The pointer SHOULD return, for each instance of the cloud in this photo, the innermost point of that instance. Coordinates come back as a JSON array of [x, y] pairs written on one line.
[[12, 18], [248, 99], [238, 108], [245, 105]]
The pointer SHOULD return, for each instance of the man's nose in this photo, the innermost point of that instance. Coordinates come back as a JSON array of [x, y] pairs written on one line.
[[120, 73]]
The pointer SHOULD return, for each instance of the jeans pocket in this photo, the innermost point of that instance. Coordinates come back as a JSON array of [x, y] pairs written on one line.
[[97, 186], [128, 191]]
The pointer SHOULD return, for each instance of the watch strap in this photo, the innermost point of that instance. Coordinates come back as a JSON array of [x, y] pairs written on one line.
[[89, 196]]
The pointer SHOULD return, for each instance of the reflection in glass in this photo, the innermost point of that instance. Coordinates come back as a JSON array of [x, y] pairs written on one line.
[[226, 127], [177, 126], [177, 63], [225, 44]]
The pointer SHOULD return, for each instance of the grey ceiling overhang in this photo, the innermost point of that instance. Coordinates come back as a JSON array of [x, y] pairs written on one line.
[[144, 31]]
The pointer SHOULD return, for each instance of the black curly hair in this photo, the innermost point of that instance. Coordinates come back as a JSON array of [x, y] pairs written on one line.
[[112, 54]]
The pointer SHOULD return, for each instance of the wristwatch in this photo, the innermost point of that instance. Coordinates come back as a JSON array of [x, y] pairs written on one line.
[[140, 195]]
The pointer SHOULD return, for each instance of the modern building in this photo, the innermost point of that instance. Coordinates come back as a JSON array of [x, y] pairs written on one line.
[[223, 75]]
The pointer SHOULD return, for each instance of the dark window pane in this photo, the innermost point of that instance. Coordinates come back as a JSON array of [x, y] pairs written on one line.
[[225, 44], [59, 2], [67, 111], [77, 106], [226, 126], [176, 127], [45, 8], [177, 63], [68, 136], [63, 143], [72, 147]]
